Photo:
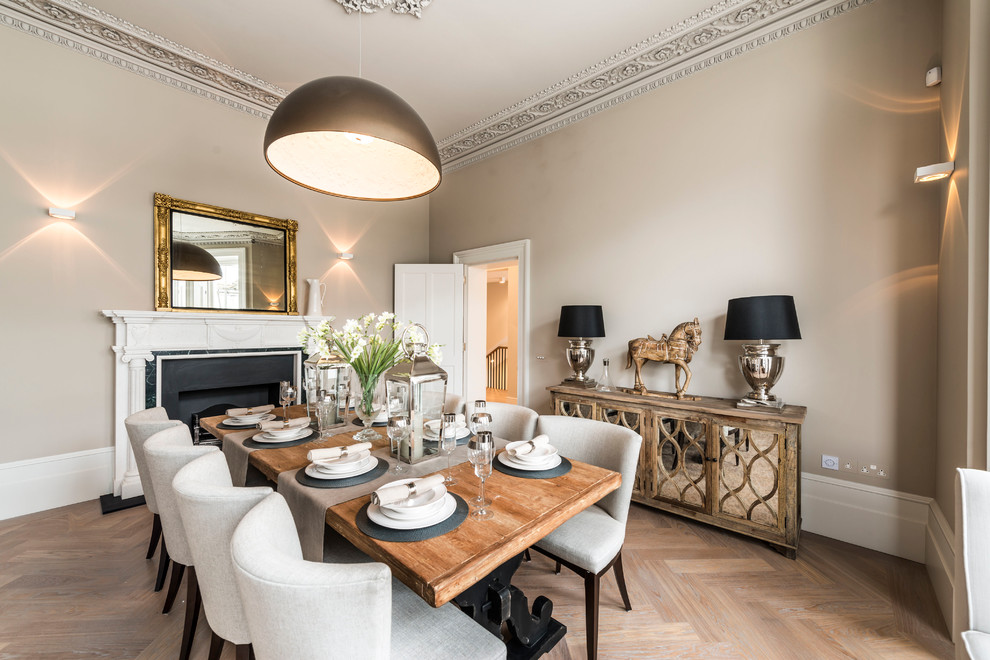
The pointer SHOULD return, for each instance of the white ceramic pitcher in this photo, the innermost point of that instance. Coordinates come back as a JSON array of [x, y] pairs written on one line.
[[317, 291]]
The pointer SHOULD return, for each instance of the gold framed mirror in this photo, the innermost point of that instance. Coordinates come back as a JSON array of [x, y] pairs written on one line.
[[213, 259]]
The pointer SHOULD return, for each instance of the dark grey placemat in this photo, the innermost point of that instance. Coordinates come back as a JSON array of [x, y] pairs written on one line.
[[376, 531], [563, 468], [250, 443], [313, 482], [357, 422]]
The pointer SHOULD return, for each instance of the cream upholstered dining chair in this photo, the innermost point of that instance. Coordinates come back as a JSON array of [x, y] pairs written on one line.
[[211, 507], [971, 611], [167, 452], [590, 543], [141, 426], [453, 403], [509, 421], [301, 609]]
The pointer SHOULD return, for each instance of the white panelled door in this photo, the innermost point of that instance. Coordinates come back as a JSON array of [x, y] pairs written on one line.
[[433, 294]]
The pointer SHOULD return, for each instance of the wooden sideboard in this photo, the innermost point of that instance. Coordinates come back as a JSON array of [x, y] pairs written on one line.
[[735, 468]]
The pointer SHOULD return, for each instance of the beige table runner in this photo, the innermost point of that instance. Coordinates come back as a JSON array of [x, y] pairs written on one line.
[[309, 505]]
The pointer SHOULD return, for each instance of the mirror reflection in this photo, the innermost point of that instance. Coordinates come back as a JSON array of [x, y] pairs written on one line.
[[220, 259]]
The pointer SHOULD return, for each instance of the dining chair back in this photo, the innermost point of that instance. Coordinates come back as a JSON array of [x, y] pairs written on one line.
[[301, 609], [211, 507], [971, 612], [511, 422], [140, 426], [590, 543], [168, 451], [453, 403]]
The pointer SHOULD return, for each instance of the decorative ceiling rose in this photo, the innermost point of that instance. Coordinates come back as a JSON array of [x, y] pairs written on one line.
[[414, 7]]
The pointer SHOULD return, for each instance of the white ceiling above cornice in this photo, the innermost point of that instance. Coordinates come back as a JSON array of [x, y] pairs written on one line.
[[720, 32]]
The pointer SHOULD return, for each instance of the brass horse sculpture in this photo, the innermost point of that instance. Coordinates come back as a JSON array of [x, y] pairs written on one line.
[[677, 349]]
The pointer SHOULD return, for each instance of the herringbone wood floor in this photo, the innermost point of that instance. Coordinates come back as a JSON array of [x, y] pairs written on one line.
[[74, 583]]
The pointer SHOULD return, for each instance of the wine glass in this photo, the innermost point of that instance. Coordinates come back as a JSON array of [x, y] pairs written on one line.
[[481, 453], [287, 395], [398, 432], [481, 419], [282, 386], [448, 443], [367, 410], [326, 412]]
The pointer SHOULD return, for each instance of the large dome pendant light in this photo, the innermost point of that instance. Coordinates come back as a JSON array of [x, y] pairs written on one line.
[[353, 138], [191, 263]]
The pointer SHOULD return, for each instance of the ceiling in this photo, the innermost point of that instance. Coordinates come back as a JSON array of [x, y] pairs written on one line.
[[485, 75], [461, 62]]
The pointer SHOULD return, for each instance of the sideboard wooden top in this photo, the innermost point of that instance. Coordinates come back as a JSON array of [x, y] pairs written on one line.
[[707, 404]]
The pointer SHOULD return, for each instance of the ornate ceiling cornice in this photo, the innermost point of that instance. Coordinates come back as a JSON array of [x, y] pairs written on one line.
[[88, 30], [725, 30], [715, 35]]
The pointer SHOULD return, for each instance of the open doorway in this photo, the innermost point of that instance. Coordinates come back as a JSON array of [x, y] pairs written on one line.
[[496, 321], [502, 332]]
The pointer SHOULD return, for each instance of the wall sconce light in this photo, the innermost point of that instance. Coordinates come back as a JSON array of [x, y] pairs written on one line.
[[61, 214], [934, 172], [346, 256]]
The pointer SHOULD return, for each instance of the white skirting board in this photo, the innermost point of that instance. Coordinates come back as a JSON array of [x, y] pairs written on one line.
[[53, 481], [877, 518], [940, 559]]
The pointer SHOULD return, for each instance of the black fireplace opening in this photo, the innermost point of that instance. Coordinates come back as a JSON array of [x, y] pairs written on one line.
[[202, 387]]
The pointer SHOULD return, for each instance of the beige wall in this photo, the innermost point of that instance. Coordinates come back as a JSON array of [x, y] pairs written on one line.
[[79, 133], [962, 291], [786, 170], [498, 319]]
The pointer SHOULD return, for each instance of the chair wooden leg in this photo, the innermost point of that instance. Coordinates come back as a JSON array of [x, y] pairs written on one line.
[[621, 580], [556, 568], [173, 586], [163, 561], [156, 534], [216, 647], [592, 588], [243, 652], [526, 555], [193, 602]]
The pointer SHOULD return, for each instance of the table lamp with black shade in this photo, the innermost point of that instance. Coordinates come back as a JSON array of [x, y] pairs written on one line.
[[580, 323], [761, 318]]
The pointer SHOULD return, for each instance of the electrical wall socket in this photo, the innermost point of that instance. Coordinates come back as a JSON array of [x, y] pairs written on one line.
[[830, 462], [865, 469], [881, 471], [848, 465]]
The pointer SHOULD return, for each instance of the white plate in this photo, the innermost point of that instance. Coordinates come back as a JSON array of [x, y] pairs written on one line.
[[540, 454], [551, 463], [264, 436], [448, 508], [418, 506], [345, 464], [286, 432], [370, 464], [237, 421], [462, 432]]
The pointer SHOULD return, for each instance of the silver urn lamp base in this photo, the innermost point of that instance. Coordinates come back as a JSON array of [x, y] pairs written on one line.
[[580, 357], [761, 367]]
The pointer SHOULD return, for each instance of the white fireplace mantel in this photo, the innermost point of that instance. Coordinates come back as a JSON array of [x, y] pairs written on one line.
[[138, 335]]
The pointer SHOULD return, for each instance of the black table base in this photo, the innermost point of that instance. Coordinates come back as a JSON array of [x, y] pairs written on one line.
[[493, 601]]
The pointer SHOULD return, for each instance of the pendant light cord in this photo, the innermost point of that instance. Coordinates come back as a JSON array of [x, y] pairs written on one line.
[[360, 45]]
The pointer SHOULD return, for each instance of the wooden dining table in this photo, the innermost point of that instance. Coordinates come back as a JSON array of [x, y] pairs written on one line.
[[473, 564]]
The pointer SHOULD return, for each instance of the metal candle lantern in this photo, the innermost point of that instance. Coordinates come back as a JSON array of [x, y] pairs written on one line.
[[415, 389], [330, 373]]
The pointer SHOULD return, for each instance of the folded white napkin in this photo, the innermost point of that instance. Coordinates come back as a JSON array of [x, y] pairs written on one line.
[[461, 419], [392, 494], [256, 410], [330, 453], [294, 423], [525, 447]]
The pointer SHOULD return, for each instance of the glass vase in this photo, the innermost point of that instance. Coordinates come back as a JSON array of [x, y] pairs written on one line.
[[369, 403]]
